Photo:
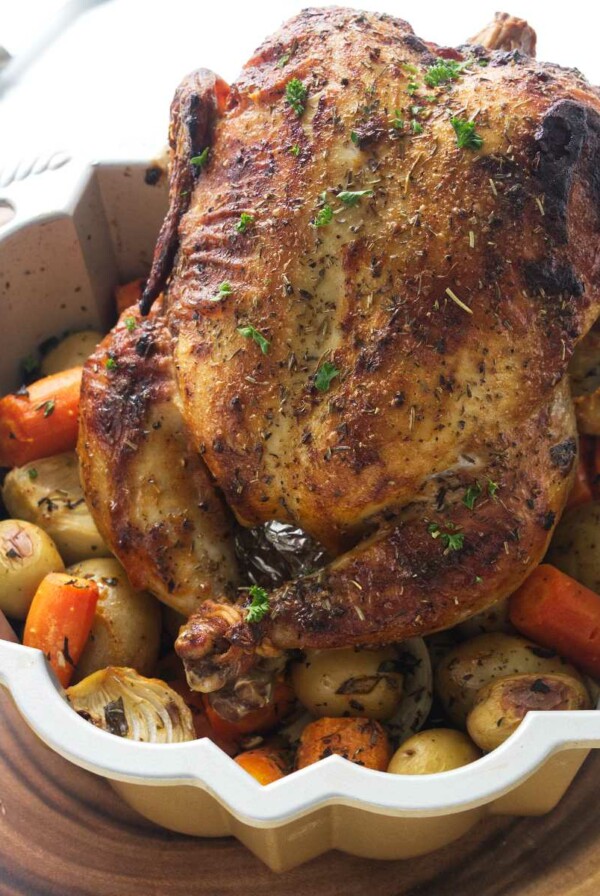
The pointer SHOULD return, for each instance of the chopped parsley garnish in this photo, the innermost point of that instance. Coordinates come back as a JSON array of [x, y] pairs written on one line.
[[492, 488], [416, 127], [32, 473], [412, 88], [324, 216], [324, 376], [259, 604], [295, 95], [354, 137], [466, 135], [397, 120], [471, 495], [453, 540], [130, 323], [110, 364], [47, 407], [443, 71], [285, 57], [295, 150], [201, 160], [225, 289], [244, 223], [251, 332], [353, 197]]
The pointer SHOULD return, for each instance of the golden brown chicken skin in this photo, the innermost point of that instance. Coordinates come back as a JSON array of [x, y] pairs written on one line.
[[383, 268], [146, 486]]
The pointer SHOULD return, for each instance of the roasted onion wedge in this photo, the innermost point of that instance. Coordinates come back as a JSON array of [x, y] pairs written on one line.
[[126, 704]]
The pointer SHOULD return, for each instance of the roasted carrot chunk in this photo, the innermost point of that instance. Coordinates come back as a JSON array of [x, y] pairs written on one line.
[[41, 420], [265, 764], [582, 489], [257, 721], [202, 726], [556, 611], [129, 294], [363, 741], [60, 620]]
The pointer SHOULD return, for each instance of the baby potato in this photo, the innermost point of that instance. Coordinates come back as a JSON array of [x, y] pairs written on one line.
[[349, 682], [501, 705], [27, 554], [127, 624], [362, 741], [48, 492], [430, 752], [575, 545], [474, 663], [493, 619], [72, 351], [438, 645]]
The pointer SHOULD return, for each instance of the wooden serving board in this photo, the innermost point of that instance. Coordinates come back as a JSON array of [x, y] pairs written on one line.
[[63, 832]]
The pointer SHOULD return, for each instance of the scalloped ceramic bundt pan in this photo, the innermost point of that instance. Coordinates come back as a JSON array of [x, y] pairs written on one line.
[[68, 233]]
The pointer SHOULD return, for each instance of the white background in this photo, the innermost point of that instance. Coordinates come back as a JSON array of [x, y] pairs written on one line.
[[104, 87]]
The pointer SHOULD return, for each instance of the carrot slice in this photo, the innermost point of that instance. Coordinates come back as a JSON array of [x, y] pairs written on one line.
[[581, 492], [129, 294], [41, 420], [556, 611], [60, 620], [202, 726], [265, 764], [257, 721], [363, 741]]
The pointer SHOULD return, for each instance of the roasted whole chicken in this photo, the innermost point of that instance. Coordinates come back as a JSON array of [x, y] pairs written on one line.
[[378, 259]]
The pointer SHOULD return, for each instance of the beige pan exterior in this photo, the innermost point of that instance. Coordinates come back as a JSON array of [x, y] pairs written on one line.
[[76, 230]]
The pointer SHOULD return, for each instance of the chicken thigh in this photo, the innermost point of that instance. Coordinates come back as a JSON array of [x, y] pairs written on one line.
[[378, 259]]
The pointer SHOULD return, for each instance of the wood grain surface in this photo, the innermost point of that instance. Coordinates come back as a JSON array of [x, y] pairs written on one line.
[[63, 832]]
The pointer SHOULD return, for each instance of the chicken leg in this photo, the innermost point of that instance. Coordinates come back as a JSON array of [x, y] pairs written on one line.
[[463, 544]]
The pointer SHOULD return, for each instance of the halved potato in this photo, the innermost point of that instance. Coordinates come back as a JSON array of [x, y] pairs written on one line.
[[126, 629], [492, 619], [349, 682], [501, 705], [48, 492], [433, 751], [575, 545], [27, 554], [475, 663], [71, 351]]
